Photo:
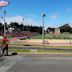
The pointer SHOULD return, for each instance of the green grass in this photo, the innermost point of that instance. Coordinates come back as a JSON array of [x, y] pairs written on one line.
[[58, 46], [40, 46], [53, 36], [55, 51], [46, 51], [19, 50]]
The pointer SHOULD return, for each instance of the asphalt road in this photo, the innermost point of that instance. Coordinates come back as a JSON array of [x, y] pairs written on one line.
[[37, 64]]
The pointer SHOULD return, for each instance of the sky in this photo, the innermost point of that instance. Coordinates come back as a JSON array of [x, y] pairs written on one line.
[[29, 12]]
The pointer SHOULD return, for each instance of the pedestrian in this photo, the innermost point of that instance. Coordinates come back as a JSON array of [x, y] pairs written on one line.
[[5, 46]]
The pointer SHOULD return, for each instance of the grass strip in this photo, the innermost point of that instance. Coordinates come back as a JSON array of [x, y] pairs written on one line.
[[40, 46], [47, 51]]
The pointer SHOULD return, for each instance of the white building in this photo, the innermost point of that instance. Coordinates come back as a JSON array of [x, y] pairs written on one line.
[[57, 31]]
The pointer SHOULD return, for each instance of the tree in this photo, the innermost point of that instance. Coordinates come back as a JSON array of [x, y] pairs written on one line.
[[14, 25], [71, 30], [22, 27], [65, 28], [1, 27], [36, 29], [49, 29]]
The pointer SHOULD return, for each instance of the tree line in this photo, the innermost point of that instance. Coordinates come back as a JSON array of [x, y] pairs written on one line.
[[15, 25], [63, 28], [21, 27]]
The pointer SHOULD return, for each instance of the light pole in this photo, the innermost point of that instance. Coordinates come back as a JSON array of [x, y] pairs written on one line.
[[3, 4], [4, 22], [23, 25], [43, 16]]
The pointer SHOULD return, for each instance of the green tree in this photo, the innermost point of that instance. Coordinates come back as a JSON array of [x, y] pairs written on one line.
[[70, 30], [49, 29], [1, 27], [22, 27], [65, 28], [14, 25]]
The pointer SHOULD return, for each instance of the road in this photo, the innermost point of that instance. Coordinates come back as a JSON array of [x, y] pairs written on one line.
[[21, 63]]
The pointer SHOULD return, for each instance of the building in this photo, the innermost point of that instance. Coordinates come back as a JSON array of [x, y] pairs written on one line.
[[57, 31]]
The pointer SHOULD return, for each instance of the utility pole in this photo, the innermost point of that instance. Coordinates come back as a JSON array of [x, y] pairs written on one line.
[[23, 25], [3, 4], [43, 16], [4, 22]]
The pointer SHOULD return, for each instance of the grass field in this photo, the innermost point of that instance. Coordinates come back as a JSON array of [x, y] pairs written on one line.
[[47, 51], [54, 36], [28, 45]]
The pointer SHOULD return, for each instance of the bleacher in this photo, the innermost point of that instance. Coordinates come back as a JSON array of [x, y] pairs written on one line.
[[18, 33]]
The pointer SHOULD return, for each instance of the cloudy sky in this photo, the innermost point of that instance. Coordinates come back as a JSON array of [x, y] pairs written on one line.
[[58, 12]]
